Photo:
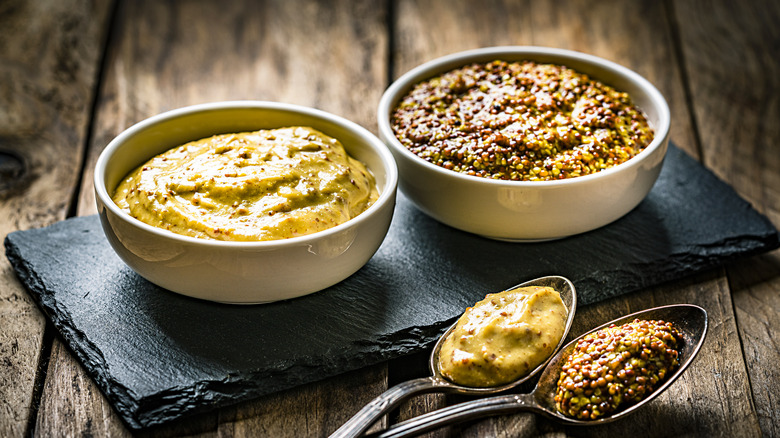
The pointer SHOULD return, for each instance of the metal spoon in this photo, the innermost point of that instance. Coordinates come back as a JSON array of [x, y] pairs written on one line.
[[690, 320], [438, 383]]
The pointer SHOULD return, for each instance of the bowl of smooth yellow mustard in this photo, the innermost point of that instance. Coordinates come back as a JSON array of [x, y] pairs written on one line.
[[245, 202]]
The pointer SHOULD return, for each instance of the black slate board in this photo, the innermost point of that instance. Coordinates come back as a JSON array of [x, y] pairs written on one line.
[[159, 356]]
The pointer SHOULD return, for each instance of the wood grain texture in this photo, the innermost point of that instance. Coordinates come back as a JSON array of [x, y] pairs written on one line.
[[165, 55], [71, 404], [715, 62], [49, 51], [733, 64], [755, 286]]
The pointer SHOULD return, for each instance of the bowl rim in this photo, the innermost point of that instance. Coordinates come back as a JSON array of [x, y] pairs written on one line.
[[386, 196], [448, 62]]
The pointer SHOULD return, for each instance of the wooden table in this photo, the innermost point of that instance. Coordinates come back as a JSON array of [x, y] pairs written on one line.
[[75, 73]]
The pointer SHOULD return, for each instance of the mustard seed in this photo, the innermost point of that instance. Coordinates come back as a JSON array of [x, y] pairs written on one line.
[[634, 368], [520, 121]]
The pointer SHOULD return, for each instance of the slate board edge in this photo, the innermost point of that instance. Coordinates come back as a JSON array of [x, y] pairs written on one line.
[[120, 397], [698, 260], [161, 409]]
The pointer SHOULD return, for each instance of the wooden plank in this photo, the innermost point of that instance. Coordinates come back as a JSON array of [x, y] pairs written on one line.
[[164, 55], [71, 403], [755, 286], [735, 87], [49, 53], [639, 36]]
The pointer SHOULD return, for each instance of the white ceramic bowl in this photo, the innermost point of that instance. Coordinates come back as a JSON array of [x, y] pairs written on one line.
[[242, 272], [520, 210]]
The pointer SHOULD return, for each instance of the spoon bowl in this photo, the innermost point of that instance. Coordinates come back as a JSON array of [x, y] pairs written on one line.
[[569, 297], [436, 382], [690, 320]]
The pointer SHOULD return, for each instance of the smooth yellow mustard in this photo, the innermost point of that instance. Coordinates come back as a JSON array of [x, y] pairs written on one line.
[[503, 337], [251, 186]]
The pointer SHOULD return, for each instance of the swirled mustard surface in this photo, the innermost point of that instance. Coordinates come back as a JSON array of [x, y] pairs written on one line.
[[250, 186], [503, 337]]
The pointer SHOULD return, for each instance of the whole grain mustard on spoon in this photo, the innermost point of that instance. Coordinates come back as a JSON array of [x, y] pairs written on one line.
[[600, 377]]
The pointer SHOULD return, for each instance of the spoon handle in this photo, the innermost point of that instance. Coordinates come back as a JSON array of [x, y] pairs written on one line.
[[470, 410], [382, 404]]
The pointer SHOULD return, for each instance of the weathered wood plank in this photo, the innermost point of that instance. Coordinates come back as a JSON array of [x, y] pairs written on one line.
[[161, 62], [735, 88], [755, 286], [71, 403], [164, 55], [639, 36], [49, 53]]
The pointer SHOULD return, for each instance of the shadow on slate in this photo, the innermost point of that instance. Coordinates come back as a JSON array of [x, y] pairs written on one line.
[[158, 356]]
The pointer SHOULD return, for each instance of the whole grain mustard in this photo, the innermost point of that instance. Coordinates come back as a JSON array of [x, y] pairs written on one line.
[[520, 121], [616, 367]]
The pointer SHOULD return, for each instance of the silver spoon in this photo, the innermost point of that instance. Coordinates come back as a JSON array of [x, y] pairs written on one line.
[[391, 398], [690, 320]]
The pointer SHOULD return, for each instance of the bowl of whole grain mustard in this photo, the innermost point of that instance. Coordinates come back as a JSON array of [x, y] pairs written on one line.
[[245, 202], [524, 143]]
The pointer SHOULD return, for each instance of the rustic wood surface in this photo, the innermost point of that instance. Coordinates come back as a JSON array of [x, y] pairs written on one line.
[[49, 61], [75, 73]]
